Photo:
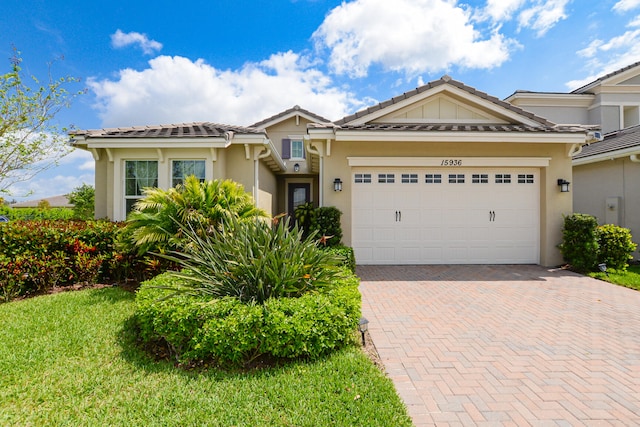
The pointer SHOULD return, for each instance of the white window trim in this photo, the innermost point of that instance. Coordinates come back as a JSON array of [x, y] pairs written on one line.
[[126, 197], [186, 160], [292, 139]]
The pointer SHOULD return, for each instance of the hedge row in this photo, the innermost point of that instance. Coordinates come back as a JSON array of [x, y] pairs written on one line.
[[38, 255], [230, 332]]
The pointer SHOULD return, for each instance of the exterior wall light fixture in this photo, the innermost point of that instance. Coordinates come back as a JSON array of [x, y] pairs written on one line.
[[564, 185], [337, 184], [296, 167]]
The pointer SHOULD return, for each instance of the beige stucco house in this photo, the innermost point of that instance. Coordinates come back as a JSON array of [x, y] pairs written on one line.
[[444, 174], [606, 173]]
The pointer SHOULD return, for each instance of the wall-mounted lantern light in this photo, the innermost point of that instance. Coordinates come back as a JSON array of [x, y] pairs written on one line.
[[296, 167], [337, 184], [363, 326], [564, 185]]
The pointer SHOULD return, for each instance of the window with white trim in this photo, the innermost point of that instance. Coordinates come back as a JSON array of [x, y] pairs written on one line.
[[297, 149], [433, 178], [479, 178], [181, 169], [503, 178], [362, 178], [386, 178], [409, 178], [525, 179], [456, 178], [138, 175]]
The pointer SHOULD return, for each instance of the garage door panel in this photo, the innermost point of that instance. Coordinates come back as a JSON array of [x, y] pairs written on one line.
[[384, 254], [431, 236], [493, 221], [384, 234]]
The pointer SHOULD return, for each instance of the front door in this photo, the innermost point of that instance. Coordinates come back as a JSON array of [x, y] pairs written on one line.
[[298, 194]]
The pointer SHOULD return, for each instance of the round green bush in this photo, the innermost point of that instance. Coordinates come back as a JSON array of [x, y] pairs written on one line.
[[233, 333], [615, 246]]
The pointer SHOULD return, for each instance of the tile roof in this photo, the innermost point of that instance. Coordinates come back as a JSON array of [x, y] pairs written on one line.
[[443, 80], [605, 77], [285, 113], [181, 130], [612, 142], [443, 127], [61, 201]]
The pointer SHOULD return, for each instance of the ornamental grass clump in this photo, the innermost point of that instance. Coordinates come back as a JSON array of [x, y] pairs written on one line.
[[251, 261]]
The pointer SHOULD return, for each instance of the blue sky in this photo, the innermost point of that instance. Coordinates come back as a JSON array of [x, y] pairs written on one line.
[[239, 61]]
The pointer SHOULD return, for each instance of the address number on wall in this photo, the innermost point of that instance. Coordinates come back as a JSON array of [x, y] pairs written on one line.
[[451, 162]]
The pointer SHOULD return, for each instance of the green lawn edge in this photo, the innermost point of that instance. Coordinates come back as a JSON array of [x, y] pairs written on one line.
[[71, 359], [628, 279]]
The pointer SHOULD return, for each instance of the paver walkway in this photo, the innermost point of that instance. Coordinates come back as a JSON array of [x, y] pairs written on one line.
[[506, 345]]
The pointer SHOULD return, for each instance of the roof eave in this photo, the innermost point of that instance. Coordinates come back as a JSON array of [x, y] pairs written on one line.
[[457, 136]]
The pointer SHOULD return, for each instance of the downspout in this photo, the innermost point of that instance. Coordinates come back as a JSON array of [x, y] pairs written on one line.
[[575, 150], [259, 154], [317, 151], [634, 158]]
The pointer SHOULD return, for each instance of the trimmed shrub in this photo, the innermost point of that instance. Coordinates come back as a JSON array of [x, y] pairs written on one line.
[[36, 256], [346, 254], [234, 333], [327, 223], [323, 222], [615, 246], [579, 245], [33, 214]]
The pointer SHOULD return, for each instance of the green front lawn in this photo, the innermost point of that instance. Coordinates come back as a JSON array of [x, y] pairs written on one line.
[[70, 359], [629, 278]]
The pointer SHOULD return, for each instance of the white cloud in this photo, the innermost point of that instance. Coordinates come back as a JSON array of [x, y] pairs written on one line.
[[608, 56], [48, 186], [543, 15], [626, 5], [412, 36], [120, 39], [176, 89], [502, 10]]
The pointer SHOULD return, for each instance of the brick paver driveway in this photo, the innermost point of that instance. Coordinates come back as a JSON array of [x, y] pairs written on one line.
[[506, 345]]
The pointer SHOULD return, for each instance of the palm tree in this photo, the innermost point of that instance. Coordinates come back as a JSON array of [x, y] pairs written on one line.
[[155, 220]]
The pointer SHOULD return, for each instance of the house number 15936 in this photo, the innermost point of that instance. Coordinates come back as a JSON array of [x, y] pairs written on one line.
[[451, 162]]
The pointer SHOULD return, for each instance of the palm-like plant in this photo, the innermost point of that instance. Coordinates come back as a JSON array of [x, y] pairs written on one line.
[[155, 223]]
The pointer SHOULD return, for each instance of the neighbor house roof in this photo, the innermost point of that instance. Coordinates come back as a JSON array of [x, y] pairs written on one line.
[[605, 77], [442, 81], [61, 201], [190, 130], [616, 144], [295, 110], [461, 128]]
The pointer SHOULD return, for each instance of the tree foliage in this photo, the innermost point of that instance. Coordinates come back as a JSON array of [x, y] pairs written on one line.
[[30, 141], [83, 200]]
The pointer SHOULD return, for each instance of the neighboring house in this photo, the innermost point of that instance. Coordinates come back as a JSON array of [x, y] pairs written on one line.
[[54, 202], [442, 174], [606, 173]]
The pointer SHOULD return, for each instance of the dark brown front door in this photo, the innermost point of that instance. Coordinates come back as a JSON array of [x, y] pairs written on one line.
[[298, 194]]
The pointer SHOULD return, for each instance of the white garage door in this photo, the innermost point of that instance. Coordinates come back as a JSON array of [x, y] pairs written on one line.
[[444, 216]]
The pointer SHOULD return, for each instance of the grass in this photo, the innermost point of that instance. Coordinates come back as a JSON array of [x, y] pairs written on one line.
[[69, 359], [629, 278]]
